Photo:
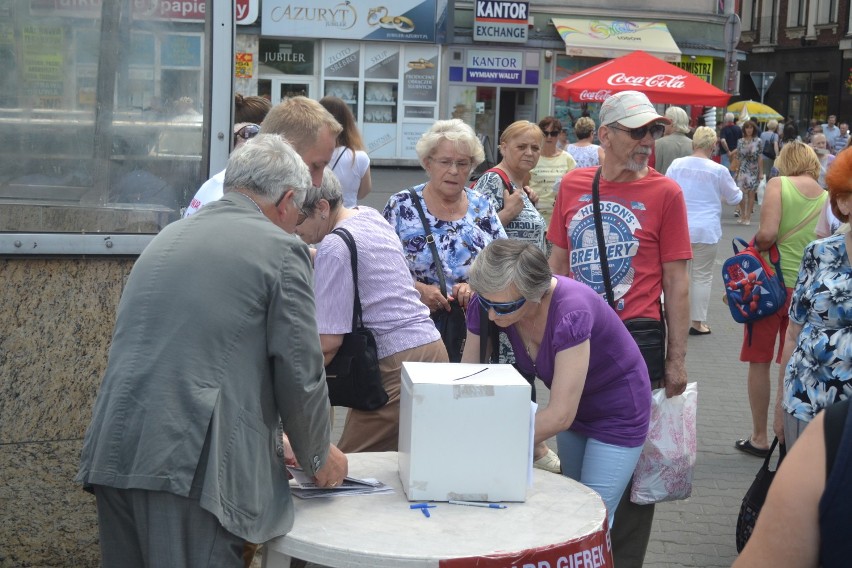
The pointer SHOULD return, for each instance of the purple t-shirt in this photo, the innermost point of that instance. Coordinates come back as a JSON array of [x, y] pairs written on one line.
[[615, 404]]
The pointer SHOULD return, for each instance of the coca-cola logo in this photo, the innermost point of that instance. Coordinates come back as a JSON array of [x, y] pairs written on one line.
[[665, 81], [600, 95]]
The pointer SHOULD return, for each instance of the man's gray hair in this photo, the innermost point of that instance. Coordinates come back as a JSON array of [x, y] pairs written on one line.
[[679, 118], [510, 261], [329, 190], [267, 166], [729, 117]]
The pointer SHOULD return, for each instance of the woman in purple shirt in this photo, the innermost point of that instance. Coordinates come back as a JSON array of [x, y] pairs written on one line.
[[391, 306], [565, 333]]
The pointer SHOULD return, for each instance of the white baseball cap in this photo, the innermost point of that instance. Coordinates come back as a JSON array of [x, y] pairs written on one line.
[[631, 109]]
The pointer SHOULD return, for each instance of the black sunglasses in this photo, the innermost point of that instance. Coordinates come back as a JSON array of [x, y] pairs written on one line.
[[503, 308], [656, 130], [552, 133], [247, 132]]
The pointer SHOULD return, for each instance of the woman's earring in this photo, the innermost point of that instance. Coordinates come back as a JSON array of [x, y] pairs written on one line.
[[322, 217]]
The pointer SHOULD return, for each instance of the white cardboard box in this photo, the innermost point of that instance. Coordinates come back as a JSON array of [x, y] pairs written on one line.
[[464, 432]]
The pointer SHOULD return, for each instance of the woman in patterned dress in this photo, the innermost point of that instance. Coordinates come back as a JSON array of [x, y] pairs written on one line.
[[816, 368], [749, 150]]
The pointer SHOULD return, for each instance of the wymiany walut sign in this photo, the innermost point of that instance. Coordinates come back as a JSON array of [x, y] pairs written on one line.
[[501, 21]]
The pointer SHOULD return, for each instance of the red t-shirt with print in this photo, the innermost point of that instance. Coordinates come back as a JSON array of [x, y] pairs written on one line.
[[644, 224]]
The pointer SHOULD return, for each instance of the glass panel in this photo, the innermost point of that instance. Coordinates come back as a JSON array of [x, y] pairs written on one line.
[[346, 90], [288, 90], [101, 111]]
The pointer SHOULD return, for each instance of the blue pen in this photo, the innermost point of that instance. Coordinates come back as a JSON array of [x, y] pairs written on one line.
[[422, 506], [477, 504], [425, 512]]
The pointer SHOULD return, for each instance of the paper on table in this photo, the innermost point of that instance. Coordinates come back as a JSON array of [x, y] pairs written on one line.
[[302, 485], [533, 409]]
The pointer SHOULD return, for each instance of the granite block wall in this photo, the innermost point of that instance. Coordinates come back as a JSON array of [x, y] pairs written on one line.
[[57, 317]]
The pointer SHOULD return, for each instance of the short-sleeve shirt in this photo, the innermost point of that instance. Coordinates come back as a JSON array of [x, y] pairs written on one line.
[[544, 175], [616, 399], [645, 226], [390, 305], [731, 133], [819, 371], [349, 169], [529, 225], [458, 241]]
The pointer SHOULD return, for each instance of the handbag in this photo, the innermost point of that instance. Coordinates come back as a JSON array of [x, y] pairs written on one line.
[[648, 333], [755, 496], [353, 376], [666, 464], [452, 325]]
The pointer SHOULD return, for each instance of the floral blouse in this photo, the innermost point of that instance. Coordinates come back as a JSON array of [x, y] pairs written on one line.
[[820, 369], [749, 151], [458, 241]]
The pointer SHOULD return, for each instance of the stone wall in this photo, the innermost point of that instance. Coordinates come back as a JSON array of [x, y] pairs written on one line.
[[57, 318]]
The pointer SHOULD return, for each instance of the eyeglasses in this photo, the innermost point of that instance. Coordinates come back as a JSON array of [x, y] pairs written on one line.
[[303, 216], [552, 133], [503, 308], [247, 132], [656, 130], [460, 165]]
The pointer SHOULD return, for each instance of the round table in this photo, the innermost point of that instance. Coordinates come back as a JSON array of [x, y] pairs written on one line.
[[561, 524]]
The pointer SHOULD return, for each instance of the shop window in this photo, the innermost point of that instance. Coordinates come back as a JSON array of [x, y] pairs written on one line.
[[807, 99], [102, 113]]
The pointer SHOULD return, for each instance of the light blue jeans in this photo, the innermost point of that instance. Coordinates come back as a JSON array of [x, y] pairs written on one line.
[[605, 468]]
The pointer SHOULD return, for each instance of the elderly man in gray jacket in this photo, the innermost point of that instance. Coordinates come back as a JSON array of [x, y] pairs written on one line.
[[215, 340]]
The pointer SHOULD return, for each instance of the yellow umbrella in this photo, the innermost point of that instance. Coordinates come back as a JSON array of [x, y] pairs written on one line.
[[755, 110]]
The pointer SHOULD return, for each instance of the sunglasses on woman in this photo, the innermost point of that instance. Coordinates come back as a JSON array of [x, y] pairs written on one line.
[[247, 132], [656, 131], [503, 308], [552, 133]]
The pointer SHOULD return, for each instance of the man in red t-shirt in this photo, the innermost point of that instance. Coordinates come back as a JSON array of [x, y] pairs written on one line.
[[645, 228]]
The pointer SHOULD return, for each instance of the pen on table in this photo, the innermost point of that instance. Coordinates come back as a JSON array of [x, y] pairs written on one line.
[[478, 504], [425, 512], [421, 506]]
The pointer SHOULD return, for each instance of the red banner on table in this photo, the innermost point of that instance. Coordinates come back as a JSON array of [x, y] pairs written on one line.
[[591, 551]]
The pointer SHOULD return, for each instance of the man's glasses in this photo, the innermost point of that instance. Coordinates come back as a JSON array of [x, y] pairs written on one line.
[[552, 133], [656, 130], [460, 165], [247, 132], [503, 308]]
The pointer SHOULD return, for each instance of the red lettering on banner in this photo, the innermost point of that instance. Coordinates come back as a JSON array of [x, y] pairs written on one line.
[[666, 81], [591, 551]]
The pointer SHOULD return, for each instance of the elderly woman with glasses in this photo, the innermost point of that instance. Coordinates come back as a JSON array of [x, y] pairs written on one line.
[[462, 221], [561, 330], [391, 307]]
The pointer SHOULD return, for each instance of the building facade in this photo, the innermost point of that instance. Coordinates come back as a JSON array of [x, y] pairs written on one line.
[[807, 44]]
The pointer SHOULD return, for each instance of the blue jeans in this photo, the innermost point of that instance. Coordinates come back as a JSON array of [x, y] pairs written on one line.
[[605, 468]]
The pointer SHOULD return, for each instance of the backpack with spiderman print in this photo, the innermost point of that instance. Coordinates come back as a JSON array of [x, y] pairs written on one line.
[[753, 289]]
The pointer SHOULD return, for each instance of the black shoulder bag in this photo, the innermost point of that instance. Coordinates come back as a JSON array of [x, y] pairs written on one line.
[[353, 376], [649, 333], [450, 324], [756, 496]]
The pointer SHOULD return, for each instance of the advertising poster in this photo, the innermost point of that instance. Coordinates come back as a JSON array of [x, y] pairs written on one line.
[[380, 140], [341, 59], [179, 50], [411, 133], [421, 74], [285, 56], [382, 61], [403, 20], [42, 58], [243, 65]]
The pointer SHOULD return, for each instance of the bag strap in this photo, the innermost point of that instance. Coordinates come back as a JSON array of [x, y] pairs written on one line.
[[602, 258], [782, 453], [357, 319], [814, 214], [491, 335], [430, 238], [510, 187], [340, 155]]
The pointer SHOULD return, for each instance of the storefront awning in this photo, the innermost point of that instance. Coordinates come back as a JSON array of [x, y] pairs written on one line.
[[614, 38]]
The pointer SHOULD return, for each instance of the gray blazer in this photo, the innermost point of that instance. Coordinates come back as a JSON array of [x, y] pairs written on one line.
[[215, 339]]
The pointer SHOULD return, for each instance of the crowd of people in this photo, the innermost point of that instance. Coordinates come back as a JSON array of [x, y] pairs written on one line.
[[558, 251]]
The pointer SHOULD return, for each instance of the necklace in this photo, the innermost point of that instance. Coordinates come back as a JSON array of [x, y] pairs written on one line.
[[451, 211]]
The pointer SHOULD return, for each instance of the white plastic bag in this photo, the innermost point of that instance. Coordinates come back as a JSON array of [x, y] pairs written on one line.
[[761, 189], [664, 471]]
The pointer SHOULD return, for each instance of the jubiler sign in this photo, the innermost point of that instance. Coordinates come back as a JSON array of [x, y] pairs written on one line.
[[501, 20]]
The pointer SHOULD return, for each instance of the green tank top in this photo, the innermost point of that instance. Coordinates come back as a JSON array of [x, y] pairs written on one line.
[[796, 207]]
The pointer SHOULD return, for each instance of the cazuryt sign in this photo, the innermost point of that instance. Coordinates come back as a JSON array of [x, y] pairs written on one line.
[[404, 20], [501, 20]]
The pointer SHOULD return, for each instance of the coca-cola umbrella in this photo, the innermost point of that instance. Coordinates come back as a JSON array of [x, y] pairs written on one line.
[[662, 82]]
